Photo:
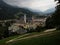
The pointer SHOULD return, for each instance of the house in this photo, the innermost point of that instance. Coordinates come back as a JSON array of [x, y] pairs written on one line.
[[39, 20], [17, 28]]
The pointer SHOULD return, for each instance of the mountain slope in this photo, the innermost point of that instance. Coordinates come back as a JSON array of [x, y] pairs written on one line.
[[8, 12]]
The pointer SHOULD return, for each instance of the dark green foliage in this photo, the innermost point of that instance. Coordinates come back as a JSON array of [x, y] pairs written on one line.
[[1, 32], [30, 30], [49, 23], [54, 19], [4, 32], [58, 27], [39, 28], [56, 15]]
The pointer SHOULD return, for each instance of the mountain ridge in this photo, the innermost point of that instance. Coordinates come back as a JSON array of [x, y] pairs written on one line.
[[9, 12]]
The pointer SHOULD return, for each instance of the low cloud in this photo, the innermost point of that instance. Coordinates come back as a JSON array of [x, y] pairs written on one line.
[[38, 5]]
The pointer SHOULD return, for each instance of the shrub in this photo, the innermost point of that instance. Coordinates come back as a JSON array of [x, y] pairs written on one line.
[[58, 27], [40, 28]]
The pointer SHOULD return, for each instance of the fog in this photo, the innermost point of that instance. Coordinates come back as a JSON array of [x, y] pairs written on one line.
[[34, 5]]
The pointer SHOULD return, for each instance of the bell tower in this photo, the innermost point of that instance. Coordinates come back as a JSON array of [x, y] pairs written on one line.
[[25, 18]]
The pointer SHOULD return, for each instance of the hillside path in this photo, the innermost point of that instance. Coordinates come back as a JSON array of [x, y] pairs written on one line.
[[47, 32]]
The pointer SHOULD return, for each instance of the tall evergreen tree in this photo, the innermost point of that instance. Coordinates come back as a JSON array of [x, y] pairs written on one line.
[[56, 15], [54, 20]]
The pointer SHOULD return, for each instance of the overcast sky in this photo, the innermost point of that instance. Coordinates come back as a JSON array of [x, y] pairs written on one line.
[[38, 5]]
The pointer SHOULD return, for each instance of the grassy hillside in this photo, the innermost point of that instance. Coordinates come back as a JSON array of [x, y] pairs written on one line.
[[43, 38]]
